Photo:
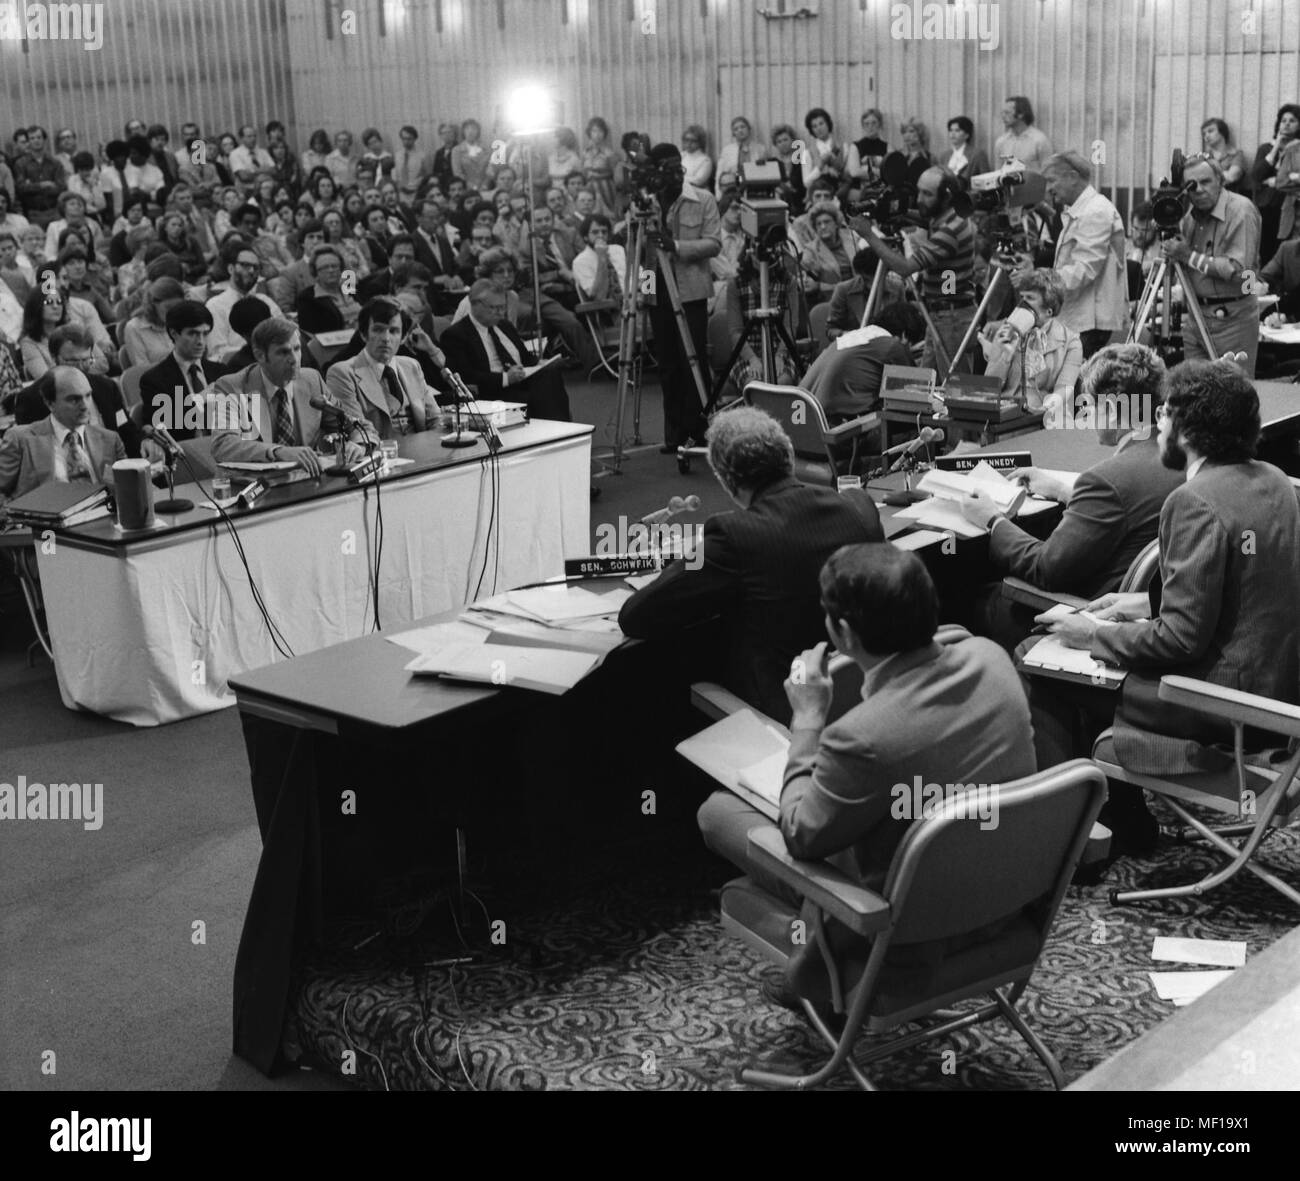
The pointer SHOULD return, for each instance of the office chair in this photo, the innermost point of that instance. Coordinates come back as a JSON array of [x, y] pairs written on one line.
[[815, 441]]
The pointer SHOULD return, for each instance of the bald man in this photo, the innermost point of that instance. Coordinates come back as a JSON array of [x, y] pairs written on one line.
[[65, 447]]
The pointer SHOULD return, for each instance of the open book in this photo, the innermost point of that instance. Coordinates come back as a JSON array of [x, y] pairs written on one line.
[[744, 754], [1006, 494]]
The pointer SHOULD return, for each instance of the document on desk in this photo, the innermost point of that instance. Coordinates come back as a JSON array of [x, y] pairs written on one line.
[[426, 640], [557, 604], [940, 514], [1006, 494], [546, 670], [918, 540], [746, 755], [258, 467], [1051, 657]]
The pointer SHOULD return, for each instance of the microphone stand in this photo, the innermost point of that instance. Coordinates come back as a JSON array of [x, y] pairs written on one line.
[[172, 504], [459, 437]]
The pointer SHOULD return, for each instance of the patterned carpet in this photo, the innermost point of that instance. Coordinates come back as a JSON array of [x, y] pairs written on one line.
[[621, 978]]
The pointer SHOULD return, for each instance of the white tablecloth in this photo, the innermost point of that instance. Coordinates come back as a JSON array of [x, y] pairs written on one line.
[[153, 633]]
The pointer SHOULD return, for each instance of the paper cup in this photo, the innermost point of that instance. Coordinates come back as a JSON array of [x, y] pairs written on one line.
[[134, 491]]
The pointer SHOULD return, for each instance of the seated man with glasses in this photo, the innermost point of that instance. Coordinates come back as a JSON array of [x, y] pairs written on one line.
[[73, 345], [488, 352]]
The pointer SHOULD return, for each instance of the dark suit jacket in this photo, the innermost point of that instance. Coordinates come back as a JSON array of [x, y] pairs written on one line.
[[759, 572], [467, 356], [158, 391], [1227, 612], [31, 406], [1112, 514]]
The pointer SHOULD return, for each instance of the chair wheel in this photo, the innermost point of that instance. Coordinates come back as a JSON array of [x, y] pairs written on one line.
[[684, 464]]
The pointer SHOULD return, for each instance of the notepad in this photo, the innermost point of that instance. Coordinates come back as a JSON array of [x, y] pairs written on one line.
[[545, 670], [1051, 656]]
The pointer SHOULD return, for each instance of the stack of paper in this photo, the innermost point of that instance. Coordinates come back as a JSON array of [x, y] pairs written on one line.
[[547, 670], [1052, 655], [1006, 494]]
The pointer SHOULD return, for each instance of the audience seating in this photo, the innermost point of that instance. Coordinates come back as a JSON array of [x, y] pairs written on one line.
[[818, 321], [602, 319], [1138, 577]]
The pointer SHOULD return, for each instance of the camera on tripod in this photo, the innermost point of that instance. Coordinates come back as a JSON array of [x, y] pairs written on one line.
[[888, 201], [1171, 201], [765, 222]]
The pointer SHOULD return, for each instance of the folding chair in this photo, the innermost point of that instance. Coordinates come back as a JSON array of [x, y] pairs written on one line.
[[1261, 794], [600, 317], [1137, 577], [818, 322], [980, 903], [815, 440]]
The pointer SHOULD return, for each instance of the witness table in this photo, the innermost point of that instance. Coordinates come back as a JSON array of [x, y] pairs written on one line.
[[149, 627]]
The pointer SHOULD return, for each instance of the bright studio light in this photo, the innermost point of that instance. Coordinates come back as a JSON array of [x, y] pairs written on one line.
[[530, 109]]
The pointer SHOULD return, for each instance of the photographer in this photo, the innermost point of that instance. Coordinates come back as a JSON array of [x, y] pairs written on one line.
[[687, 237], [1218, 242], [946, 262]]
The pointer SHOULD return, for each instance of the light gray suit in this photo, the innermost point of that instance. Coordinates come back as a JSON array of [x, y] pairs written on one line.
[[1229, 611], [248, 408], [356, 381], [27, 456]]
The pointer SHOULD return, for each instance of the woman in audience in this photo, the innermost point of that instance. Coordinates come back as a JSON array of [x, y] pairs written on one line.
[[868, 153], [77, 281], [828, 259], [498, 265], [599, 161], [376, 154], [286, 173], [1286, 131], [962, 159], [469, 158], [173, 232], [916, 149], [226, 144], [695, 157], [325, 306], [325, 195], [228, 200], [42, 314], [144, 337], [1217, 142], [743, 149], [822, 155], [339, 235], [1038, 365], [15, 223], [318, 150]]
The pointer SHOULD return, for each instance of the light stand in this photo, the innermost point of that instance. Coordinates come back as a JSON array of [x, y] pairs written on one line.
[[531, 111]]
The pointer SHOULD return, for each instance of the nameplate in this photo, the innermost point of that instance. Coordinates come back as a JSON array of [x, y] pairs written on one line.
[[365, 468], [999, 463], [610, 565], [250, 492]]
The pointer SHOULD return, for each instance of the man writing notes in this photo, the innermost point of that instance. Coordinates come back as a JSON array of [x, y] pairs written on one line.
[[759, 563], [1223, 608], [930, 712], [1217, 243], [267, 407]]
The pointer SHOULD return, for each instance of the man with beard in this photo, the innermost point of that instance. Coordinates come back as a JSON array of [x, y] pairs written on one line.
[[1222, 608], [245, 270]]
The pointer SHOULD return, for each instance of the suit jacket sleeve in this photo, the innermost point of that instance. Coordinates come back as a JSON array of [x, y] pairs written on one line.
[[1089, 532], [828, 800], [1194, 552], [11, 462], [467, 357], [680, 597]]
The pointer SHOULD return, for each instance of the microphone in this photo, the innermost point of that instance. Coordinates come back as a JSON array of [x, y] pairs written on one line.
[[163, 438], [929, 434], [676, 504], [325, 402]]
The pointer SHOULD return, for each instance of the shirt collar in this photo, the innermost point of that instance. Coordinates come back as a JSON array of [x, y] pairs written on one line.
[[1195, 466], [1081, 200], [61, 432]]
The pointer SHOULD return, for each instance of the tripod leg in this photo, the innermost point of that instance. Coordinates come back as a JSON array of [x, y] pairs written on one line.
[[1146, 302], [999, 276], [1193, 306], [693, 362], [873, 296], [940, 352]]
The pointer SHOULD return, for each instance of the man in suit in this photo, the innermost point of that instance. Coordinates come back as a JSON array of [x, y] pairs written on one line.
[[557, 246], [1112, 511], [73, 345], [388, 389], [759, 565], [65, 446], [1089, 253], [436, 251], [172, 391], [488, 352], [1223, 609], [267, 408], [930, 713]]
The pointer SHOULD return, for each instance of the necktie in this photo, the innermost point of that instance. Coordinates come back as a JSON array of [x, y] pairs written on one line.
[[76, 459], [499, 347], [196, 378], [282, 425], [396, 403]]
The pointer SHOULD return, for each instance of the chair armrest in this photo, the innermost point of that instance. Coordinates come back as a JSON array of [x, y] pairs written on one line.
[[717, 703], [1250, 709], [1020, 591], [597, 305], [853, 428], [863, 911]]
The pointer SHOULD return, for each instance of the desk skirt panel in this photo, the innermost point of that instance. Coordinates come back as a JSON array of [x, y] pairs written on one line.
[[153, 633]]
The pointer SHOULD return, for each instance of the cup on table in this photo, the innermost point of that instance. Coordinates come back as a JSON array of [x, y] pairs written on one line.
[[220, 487], [388, 449]]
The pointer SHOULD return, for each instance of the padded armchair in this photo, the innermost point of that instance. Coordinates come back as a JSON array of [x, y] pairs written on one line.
[[1260, 793], [1138, 577], [815, 440], [978, 904]]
